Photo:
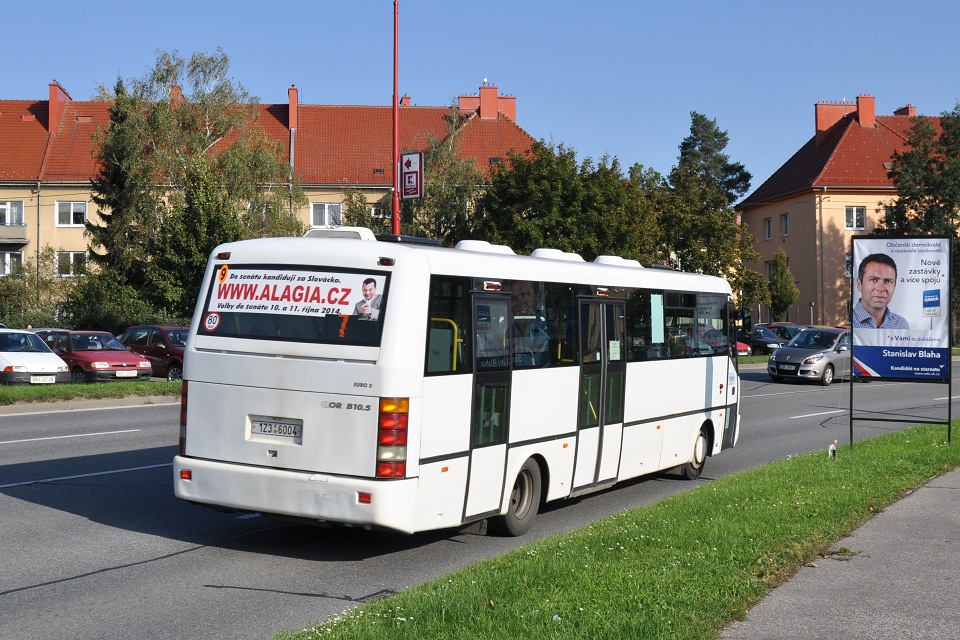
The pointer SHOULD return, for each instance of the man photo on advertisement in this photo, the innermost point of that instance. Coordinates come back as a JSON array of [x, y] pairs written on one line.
[[876, 282], [369, 307]]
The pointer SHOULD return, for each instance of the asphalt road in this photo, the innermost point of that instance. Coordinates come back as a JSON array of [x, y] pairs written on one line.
[[96, 546]]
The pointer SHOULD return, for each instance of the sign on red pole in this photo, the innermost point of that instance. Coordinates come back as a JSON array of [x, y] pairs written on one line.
[[411, 176]]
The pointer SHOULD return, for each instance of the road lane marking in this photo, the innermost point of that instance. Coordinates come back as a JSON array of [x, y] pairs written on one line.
[[78, 435], [80, 409], [85, 475], [822, 413]]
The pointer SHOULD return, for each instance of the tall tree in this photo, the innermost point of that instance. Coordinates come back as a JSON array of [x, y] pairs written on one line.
[[927, 177], [703, 152], [546, 199], [184, 150], [700, 227], [450, 184], [783, 289]]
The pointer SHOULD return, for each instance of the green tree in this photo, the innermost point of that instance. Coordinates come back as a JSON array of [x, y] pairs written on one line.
[[703, 152], [546, 199], [357, 212], [927, 177], [183, 152], [451, 184], [700, 229], [33, 293], [783, 289]]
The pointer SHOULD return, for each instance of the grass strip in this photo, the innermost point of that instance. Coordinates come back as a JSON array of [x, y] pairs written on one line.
[[682, 568], [60, 392]]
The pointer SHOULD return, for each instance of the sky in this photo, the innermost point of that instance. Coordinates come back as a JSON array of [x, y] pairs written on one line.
[[604, 78]]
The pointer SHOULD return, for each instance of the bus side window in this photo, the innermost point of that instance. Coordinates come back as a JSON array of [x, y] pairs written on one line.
[[449, 347]]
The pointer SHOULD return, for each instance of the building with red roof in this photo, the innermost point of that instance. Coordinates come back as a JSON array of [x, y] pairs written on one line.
[[836, 186], [48, 158]]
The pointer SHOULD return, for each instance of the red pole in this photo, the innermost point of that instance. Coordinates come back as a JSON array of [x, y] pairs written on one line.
[[396, 118]]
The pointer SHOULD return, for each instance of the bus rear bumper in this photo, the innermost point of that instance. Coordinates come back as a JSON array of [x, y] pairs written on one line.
[[297, 494]]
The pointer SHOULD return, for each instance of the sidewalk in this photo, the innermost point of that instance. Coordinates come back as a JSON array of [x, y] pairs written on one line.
[[899, 579]]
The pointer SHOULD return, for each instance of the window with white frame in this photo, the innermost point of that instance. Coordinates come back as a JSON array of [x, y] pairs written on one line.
[[767, 228], [326, 214], [784, 224], [856, 218], [71, 214], [71, 263], [10, 260], [378, 212], [11, 212]]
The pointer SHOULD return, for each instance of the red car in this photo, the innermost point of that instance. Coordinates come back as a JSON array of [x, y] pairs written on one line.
[[96, 356], [161, 345]]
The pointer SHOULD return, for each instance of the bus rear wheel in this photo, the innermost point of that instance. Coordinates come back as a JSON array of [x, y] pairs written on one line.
[[692, 470], [524, 502]]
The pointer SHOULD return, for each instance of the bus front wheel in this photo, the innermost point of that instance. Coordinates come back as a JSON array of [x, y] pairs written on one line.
[[524, 502], [691, 470]]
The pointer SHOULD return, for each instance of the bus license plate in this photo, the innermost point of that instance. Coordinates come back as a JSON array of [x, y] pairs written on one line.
[[278, 428], [43, 379]]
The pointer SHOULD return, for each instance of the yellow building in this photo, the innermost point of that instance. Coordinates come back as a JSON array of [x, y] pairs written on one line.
[[836, 186]]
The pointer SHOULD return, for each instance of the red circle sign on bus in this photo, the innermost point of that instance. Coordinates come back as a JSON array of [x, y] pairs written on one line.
[[212, 321]]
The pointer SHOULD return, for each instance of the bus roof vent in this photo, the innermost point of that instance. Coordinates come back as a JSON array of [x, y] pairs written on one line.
[[391, 237], [356, 233], [617, 261], [482, 246], [556, 254]]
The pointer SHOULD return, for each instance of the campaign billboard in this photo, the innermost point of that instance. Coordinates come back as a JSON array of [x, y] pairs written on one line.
[[900, 297]]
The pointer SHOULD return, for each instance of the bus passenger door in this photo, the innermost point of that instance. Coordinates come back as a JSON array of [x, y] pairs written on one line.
[[729, 437], [602, 378], [490, 413]]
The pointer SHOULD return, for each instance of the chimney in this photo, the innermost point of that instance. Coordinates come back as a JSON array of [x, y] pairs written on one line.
[[176, 96], [58, 96], [866, 111], [293, 109], [908, 110], [405, 101], [828, 114], [488, 101]]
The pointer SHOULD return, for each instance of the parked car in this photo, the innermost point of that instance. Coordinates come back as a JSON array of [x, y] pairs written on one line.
[[761, 340], [786, 331], [814, 354], [95, 356], [26, 359], [743, 349], [161, 345]]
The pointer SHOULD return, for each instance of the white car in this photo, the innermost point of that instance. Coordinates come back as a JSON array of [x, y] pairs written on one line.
[[26, 359]]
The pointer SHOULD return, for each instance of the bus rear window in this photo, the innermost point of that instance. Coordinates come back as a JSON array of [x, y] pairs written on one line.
[[295, 303]]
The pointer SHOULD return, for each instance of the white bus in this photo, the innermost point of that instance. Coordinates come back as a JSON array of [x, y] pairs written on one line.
[[409, 387]]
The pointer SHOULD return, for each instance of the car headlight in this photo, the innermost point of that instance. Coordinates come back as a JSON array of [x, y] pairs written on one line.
[[12, 369], [99, 365], [813, 359], [62, 368], [144, 364]]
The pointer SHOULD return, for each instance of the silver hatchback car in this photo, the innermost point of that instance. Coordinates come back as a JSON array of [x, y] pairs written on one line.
[[813, 354]]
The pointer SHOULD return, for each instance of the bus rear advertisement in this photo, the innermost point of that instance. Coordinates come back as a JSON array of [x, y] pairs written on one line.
[[408, 387]]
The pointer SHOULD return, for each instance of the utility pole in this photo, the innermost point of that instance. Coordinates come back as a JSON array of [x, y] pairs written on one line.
[[396, 119]]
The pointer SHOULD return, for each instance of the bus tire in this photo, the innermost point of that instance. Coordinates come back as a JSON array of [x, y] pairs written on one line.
[[524, 502], [692, 470]]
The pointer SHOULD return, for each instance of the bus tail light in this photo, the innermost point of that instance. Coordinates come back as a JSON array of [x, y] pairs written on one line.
[[392, 422], [183, 418]]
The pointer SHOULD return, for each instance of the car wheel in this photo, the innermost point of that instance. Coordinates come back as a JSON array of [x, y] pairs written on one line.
[[174, 372], [827, 378], [692, 470], [77, 376], [524, 502]]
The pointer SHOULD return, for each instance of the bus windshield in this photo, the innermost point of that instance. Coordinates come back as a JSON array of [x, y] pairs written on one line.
[[298, 303]]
